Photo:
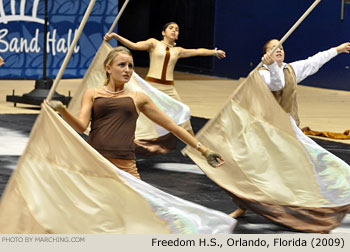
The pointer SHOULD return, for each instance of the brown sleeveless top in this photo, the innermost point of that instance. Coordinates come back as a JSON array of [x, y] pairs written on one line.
[[287, 96], [113, 124]]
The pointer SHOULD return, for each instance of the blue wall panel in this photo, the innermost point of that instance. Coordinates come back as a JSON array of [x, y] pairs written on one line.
[[242, 28], [21, 36]]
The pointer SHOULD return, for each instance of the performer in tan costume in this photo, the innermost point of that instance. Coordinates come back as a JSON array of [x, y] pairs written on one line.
[[113, 111], [282, 78], [163, 57]]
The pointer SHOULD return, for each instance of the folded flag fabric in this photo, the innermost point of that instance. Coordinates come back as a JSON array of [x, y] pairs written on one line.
[[62, 185], [271, 167]]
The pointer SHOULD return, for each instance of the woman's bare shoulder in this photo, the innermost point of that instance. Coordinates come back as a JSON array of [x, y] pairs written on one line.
[[141, 97], [92, 92]]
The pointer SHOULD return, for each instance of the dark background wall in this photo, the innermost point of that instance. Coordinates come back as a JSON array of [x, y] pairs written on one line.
[[238, 27], [241, 28], [143, 19]]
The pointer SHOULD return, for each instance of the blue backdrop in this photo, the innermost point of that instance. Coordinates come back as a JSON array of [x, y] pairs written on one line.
[[243, 27], [21, 36], [240, 28]]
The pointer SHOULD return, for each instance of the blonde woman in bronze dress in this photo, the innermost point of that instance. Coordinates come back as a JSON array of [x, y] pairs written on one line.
[[113, 111]]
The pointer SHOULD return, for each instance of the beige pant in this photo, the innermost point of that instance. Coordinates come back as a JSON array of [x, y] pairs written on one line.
[[126, 165], [171, 91]]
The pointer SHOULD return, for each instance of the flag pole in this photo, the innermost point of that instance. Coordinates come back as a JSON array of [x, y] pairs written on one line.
[[70, 51], [75, 102], [291, 30], [301, 19], [118, 16]]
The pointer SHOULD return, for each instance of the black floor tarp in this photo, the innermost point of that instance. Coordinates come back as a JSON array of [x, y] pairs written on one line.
[[190, 186]]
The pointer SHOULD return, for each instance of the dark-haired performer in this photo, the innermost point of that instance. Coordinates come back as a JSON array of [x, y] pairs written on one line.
[[163, 57]]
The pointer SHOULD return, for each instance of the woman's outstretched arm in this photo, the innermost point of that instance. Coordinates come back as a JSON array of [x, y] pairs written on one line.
[[145, 45], [81, 122], [186, 53], [147, 107]]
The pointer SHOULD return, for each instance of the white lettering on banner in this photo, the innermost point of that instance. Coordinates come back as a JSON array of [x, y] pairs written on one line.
[[61, 46], [8, 17], [19, 45], [3, 33], [23, 45]]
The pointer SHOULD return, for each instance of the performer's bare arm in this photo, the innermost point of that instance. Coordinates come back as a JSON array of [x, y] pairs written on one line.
[[81, 122], [146, 106], [185, 53], [145, 45]]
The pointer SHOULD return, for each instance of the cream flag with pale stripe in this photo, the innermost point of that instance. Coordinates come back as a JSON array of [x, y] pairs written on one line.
[[264, 158], [269, 162], [62, 185]]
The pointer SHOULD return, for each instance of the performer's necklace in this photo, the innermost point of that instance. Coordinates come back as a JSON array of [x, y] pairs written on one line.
[[111, 92], [168, 43]]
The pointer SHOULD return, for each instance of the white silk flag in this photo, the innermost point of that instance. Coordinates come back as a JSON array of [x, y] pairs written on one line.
[[62, 185], [271, 167]]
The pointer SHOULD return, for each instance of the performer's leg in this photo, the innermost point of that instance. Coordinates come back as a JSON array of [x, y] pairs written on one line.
[[160, 145], [126, 165], [238, 213]]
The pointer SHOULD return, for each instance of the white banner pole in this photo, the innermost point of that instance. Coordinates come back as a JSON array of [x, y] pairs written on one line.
[[291, 30], [70, 51], [118, 16]]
